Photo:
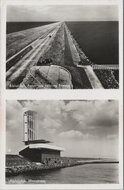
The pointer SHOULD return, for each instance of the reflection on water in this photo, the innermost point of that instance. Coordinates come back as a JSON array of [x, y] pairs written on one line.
[[83, 174]]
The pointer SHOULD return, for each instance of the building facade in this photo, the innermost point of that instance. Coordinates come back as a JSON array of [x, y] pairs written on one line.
[[37, 150], [30, 125], [40, 154]]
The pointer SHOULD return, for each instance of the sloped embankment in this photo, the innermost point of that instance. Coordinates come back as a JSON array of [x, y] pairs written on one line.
[[18, 40], [59, 53], [55, 52], [79, 77], [16, 164], [107, 78]]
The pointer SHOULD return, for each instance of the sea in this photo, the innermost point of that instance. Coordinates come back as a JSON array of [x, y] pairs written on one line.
[[98, 40], [82, 174]]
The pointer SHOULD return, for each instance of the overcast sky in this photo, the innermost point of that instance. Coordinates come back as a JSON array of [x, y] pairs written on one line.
[[83, 128], [62, 13]]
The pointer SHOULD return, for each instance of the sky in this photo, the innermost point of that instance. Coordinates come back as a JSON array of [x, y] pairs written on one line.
[[82, 128], [62, 13]]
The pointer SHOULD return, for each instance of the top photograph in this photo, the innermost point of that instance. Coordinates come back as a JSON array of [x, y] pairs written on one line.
[[62, 46]]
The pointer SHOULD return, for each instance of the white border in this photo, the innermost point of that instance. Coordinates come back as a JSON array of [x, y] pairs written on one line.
[[58, 94], [62, 2]]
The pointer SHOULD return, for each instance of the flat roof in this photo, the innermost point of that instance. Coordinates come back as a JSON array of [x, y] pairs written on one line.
[[36, 141], [44, 146]]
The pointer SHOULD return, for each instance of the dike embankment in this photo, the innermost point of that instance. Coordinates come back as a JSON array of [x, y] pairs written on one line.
[[16, 165], [53, 44], [15, 170]]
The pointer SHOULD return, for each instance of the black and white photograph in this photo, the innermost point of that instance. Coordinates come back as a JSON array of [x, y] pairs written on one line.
[[62, 142], [61, 94], [62, 46]]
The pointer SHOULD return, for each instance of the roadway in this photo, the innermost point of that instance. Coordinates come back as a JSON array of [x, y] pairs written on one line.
[[19, 70]]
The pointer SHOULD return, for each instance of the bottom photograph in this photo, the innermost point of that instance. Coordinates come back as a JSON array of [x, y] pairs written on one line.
[[62, 142]]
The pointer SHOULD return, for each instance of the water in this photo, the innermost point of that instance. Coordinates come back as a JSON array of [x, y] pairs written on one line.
[[98, 40], [18, 26], [83, 174]]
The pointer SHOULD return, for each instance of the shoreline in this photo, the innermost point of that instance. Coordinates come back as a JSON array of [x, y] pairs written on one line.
[[16, 170]]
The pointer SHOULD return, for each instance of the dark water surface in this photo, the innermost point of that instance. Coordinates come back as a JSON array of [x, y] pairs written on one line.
[[99, 40], [18, 26], [83, 174]]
